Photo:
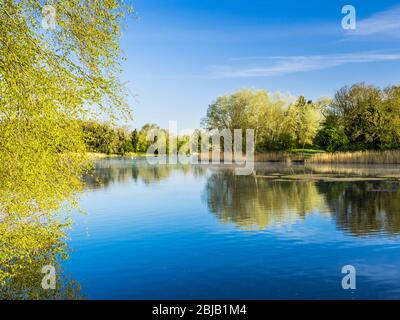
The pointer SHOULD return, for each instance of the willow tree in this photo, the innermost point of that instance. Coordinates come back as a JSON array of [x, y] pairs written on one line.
[[249, 109], [59, 62]]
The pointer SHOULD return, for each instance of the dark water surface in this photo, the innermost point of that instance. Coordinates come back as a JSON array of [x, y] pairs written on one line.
[[191, 232]]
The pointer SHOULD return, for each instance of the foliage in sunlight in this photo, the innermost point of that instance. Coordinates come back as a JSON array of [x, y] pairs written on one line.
[[362, 117], [304, 118], [50, 78], [359, 117], [104, 138], [277, 126]]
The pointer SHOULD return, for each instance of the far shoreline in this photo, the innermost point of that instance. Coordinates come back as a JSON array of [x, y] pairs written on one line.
[[299, 156]]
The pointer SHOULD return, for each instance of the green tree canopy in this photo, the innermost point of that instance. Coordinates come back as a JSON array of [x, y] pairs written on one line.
[[368, 116], [304, 119], [50, 78], [276, 125]]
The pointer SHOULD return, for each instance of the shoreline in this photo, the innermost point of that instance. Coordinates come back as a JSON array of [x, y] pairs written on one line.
[[276, 170], [371, 157]]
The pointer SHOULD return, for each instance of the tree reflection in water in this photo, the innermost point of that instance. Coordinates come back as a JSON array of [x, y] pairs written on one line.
[[27, 244], [360, 208], [110, 171], [255, 203], [25, 248]]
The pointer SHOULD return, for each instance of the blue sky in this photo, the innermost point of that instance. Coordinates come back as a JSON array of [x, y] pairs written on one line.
[[182, 54]]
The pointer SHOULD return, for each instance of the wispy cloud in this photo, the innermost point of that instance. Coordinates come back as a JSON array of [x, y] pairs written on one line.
[[281, 65], [385, 22]]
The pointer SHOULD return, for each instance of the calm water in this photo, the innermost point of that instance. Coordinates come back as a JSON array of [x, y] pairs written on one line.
[[191, 232]]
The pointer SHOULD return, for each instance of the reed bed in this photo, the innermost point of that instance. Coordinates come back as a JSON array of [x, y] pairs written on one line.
[[278, 156], [357, 157]]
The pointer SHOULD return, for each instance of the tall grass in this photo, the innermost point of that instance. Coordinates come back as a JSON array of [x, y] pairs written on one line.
[[273, 156], [318, 156], [359, 157]]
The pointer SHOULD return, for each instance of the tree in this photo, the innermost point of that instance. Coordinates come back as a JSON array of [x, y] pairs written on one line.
[[332, 139], [304, 119], [134, 140], [249, 109], [229, 112], [143, 140], [360, 110], [49, 78], [391, 136], [105, 138], [267, 117]]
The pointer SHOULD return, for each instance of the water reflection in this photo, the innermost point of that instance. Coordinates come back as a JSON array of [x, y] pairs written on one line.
[[254, 203], [25, 248], [364, 207], [269, 198], [339, 170], [120, 170], [361, 207]]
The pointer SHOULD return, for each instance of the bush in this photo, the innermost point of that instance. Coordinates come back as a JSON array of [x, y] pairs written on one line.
[[332, 139]]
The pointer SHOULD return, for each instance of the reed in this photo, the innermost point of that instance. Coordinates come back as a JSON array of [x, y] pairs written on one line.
[[357, 157], [277, 156]]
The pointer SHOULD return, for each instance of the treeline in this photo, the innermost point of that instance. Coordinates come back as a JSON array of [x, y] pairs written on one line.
[[359, 117], [108, 139], [105, 138]]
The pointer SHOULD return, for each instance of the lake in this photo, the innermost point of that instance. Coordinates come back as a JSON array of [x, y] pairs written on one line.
[[200, 232]]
